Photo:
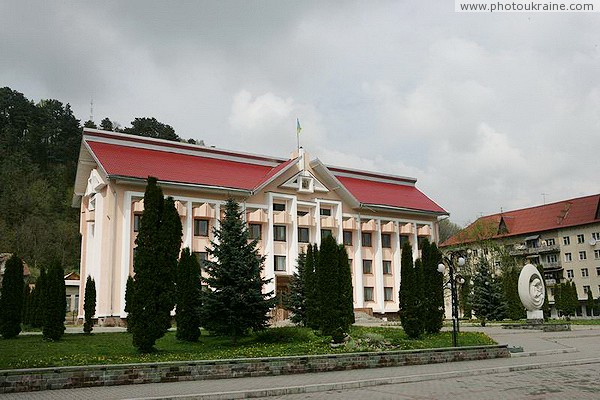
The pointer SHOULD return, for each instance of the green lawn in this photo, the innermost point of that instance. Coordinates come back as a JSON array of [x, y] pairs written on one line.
[[116, 348]]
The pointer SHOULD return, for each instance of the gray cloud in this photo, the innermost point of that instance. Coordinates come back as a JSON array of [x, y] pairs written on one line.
[[487, 111]]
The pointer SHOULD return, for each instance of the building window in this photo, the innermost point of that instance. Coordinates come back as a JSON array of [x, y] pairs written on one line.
[[597, 254], [366, 239], [367, 266], [368, 293], [387, 267], [596, 236], [552, 258], [403, 240], [350, 264], [347, 238], [325, 233], [280, 263], [301, 213], [582, 255], [136, 222], [598, 271], [566, 240], [580, 238], [255, 231], [550, 242], [303, 235], [386, 240], [278, 206], [200, 227], [280, 233], [552, 292], [584, 273], [326, 212], [568, 257], [586, 289], [388, 293], [570, 274]]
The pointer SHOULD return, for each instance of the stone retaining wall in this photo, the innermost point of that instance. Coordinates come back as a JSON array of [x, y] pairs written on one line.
[[23, 380]]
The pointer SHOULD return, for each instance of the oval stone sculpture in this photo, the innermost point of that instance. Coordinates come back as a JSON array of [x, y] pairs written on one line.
[[531, 288]]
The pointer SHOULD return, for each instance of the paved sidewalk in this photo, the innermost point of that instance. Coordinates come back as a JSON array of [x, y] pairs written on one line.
[[541, 350]]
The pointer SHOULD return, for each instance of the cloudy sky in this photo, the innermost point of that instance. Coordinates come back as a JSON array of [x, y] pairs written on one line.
[[487, 111]]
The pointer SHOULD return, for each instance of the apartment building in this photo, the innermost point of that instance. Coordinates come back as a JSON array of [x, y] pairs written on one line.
[[562, 237], [287, 203]]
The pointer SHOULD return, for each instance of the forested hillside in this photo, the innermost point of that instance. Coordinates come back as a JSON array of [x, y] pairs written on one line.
[[39, 146]]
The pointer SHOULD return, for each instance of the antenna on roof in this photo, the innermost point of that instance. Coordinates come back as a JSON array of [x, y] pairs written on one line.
[[544, 197]]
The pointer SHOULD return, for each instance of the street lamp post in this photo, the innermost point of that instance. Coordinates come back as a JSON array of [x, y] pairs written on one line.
[[454, 279]]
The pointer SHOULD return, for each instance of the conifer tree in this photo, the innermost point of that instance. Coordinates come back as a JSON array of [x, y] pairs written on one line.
[[89, 304], [128, 300], [464, 295], [574, 298], [312, 295], [335, 302], [488, 299], [189, 302], [510, 287], [295, 302], [54, 301], [433, 296], [153, 295], [345, 284], [589, 305], [11, 298], [36, 309], [235, 302], [409, 316], [26, 305]]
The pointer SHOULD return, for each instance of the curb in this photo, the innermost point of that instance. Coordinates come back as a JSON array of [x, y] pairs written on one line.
[[324, 387], [544, 352]]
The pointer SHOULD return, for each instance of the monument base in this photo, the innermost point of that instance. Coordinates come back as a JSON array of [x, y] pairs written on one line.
[[535, 317]]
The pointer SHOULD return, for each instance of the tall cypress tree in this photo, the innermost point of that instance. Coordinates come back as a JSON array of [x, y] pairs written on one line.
[[89, 304], [36, 309], [409, 316], [11, 298], [236, 302], [589, 305], [189, 302], [128, 300], [433, 295], [335, 301], [54, 300], [345, 284], [26, 305], [295, 302], [153, 294], [312, 293]]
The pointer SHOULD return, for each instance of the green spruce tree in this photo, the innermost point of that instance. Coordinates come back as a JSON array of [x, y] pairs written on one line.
[[54, 301], [510, 287], [89, 304], [295, 302], [153, 295], [11, 298], [409, 316], [235, 303], [488, 299], [189, 302]]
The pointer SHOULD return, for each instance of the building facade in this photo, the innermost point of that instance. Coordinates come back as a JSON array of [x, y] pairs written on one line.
[[562, 237], [287, 203]]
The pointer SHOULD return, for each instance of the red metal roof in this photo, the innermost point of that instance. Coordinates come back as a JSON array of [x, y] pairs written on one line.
[[177, 163], [573, 212], [389, 194], [174, 167]]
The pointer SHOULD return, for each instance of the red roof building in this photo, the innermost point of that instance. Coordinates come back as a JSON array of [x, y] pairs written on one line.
[[562, 237], [303, 198]]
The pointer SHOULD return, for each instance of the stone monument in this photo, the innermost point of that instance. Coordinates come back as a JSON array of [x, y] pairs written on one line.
[[531, 292]]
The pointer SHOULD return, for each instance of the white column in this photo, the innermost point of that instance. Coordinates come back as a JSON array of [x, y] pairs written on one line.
[[189, 226], [125, 249], [378, 265], [217, 219], [292, 258], [268, 240], [358, 272], [318, 222], [340, 221], [397, 258], [415, 241]]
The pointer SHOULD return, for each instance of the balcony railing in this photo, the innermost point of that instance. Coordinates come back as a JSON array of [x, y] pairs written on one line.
[[524, 251]]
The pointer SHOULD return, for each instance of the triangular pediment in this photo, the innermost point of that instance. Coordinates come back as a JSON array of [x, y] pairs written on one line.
[[306, 182]]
